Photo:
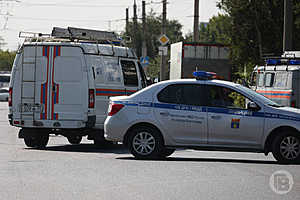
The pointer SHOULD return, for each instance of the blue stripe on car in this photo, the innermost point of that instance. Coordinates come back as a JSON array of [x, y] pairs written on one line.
[[209, 109]]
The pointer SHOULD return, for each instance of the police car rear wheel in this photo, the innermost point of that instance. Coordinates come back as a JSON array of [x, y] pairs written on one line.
[[286, 148], [145, 143]]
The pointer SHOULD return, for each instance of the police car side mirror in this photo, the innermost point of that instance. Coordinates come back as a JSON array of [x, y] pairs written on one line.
[[253, 106]]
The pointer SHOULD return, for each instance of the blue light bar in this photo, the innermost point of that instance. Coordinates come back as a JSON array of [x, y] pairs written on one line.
[[294, 62], [273, 62], [203, 75]]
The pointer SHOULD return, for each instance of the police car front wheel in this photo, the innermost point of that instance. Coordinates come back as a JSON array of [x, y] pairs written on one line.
[[146, 143], [286, 147]]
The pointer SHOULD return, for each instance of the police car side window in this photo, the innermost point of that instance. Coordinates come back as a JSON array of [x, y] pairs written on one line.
[[129, 73], [226, 98], [187, 94]]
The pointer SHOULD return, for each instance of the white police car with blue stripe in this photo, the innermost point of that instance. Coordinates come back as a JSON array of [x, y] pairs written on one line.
[[203, 114]]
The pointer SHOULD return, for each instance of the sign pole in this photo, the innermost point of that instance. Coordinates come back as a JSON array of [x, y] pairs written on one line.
[[163, 58]]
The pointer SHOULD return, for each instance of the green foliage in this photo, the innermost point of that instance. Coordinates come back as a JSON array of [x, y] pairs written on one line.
[[153, 31], [256, 29], [216, 31], [153, 69], [6, 60]]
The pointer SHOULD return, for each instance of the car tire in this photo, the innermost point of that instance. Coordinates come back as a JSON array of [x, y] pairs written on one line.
[[286, 147], [42, 141], [74, 139], [30, 141], [146, 143], [37, 141]]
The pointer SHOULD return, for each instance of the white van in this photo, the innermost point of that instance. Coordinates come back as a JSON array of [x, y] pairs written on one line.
[[279, 80], [61, 85]]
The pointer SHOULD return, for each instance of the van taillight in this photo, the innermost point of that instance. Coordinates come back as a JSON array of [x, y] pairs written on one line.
[[10, 97], [114, 108], [293, 104], [91, 98]]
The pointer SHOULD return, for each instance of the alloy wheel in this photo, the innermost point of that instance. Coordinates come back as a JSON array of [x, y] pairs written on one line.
[[290, 147], [143, 143]]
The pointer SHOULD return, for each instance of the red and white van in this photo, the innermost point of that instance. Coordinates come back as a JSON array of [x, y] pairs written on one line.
[[62, 86]]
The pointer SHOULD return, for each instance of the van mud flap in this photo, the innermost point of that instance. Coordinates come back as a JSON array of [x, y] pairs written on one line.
[[91, 121]]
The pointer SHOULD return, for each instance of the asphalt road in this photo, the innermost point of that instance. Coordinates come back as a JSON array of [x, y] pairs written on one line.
[[64, 171]]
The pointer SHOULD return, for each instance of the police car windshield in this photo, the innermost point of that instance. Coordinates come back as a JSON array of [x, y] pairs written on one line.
[[258, 96]]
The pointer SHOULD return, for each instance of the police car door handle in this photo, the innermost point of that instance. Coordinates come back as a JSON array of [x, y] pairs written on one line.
[[164, 113], [216, 117]]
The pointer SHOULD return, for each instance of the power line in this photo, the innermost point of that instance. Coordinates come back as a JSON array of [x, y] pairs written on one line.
[[64, 20], [70, 5]]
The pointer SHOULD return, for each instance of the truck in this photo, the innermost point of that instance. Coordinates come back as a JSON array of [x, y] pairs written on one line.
[[189, 57], [61, 83]]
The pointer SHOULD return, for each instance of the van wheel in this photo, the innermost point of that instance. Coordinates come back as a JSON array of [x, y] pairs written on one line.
[[286, 148], [30, 141], [146, 143], [75, 139], [37, 141]]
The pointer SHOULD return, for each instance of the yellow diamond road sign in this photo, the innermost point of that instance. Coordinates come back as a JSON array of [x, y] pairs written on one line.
[[163, 39]]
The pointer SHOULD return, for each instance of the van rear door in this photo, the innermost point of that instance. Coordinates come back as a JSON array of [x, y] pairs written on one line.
[[69, 85], [54, 84]]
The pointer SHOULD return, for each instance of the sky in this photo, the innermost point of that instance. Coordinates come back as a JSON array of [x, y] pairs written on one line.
[[109, 15]]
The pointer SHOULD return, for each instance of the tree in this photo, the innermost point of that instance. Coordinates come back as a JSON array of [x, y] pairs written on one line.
[[257, 29], [6, 60], [154, 23], [217, 30]]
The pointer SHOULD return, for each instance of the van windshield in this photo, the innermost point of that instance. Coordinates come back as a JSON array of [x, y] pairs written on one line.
[[258, 96]]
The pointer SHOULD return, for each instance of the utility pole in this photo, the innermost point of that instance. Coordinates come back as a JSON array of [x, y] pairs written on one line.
[[127, 20], [144, 45], [135, 27], [196, 21], [163, 67], [288, 26]]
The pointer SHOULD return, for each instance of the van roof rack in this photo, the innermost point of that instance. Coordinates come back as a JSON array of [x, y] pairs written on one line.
[[84, 34], [74, 34]]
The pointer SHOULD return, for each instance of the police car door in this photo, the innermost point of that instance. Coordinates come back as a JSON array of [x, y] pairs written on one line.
[[229, 121], [181, 114]]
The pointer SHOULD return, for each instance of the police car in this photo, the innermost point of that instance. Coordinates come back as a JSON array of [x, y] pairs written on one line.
[[203, 114]]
